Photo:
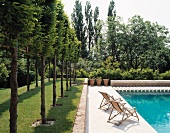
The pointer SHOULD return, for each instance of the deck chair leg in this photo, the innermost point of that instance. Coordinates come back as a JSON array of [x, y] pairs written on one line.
[[108, 107], [104, 103], [101, 103], [136, 115], [111, 117], [123, 118], [132, 114]]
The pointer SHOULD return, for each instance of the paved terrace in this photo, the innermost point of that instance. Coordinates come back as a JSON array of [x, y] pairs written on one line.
[[90, 119], [96, 119]]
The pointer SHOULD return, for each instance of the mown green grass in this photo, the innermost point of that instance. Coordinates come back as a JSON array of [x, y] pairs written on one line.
[[29, 109]]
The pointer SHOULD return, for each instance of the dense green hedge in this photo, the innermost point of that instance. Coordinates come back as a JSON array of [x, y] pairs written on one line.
[[3, 75], [166, 75], [118, 74], [22, 77]]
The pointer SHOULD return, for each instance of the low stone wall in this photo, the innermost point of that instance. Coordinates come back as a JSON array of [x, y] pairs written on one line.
[[140, 82], [80, 121]]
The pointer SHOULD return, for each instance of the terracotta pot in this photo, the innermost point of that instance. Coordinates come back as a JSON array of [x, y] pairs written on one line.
[[99, 80], [92, 82], [106, 81]]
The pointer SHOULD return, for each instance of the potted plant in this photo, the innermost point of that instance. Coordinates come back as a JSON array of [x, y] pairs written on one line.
[[99, 74], [91, 78], [106, 82], [105, 78], [98, 81]]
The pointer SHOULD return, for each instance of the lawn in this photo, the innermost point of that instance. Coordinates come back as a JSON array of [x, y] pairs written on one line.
[[29, 109]]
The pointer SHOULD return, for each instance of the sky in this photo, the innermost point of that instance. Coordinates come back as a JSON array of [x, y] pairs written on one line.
[[151, 10]]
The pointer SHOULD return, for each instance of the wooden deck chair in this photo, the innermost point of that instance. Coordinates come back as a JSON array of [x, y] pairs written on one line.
[[121, 109], [105, 101]]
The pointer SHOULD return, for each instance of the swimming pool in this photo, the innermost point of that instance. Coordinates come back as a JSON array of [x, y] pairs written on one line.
[[154, 108]]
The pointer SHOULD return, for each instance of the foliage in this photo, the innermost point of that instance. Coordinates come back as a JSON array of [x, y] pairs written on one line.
[[51, 70], [166, 75], [74, 46], [78, 24], [110, 64], [3, 74], [89, 28], [157, 75], [111, 30], [115, 74], [147, 74], [81, 73], [22, 77], [92, 74], [126, 75]]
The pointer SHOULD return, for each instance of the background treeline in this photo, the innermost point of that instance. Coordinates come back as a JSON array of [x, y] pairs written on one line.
[[113, 45], [138, 44]]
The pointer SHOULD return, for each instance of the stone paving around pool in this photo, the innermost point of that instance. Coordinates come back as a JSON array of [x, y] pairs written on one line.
[[96, 119], [90, 119]]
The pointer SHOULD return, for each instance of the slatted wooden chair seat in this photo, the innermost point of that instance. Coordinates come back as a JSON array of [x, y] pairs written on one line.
[[105, 104], [124, 111]]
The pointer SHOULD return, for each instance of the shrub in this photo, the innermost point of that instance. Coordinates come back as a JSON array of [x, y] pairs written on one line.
[[147, 74], [135, 73], [100, 72], [92, 74], [3, 74], [51, 71], [81, 73], [166, 75], [157, 76], [22, 77], [115, 74], [126, 75]]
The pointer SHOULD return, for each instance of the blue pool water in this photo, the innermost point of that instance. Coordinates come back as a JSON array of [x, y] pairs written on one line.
[[154, 108]]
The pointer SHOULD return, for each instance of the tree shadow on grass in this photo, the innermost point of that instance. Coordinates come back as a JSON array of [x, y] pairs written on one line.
[[64, 115], [25, 95]]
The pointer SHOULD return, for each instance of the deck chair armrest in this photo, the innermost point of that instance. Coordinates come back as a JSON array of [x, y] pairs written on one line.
[[119, 99], [131, 109], [116, 99], [122, 104]]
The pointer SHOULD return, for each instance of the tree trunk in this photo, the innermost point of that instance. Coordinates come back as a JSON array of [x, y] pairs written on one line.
[[28, 76], [54, 81], [74, 72], [43, 90], [36, 69], [70, 74], [62, 70], [66, 75], [49, 71], [14, 90]]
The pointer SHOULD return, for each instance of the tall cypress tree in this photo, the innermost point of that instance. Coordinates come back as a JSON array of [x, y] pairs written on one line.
[[96, 16], [96, 27], [89, 26], [78, 24], [111, 33]]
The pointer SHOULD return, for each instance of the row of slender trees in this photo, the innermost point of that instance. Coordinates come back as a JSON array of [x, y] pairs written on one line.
[[36, 29], [135, 44]]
